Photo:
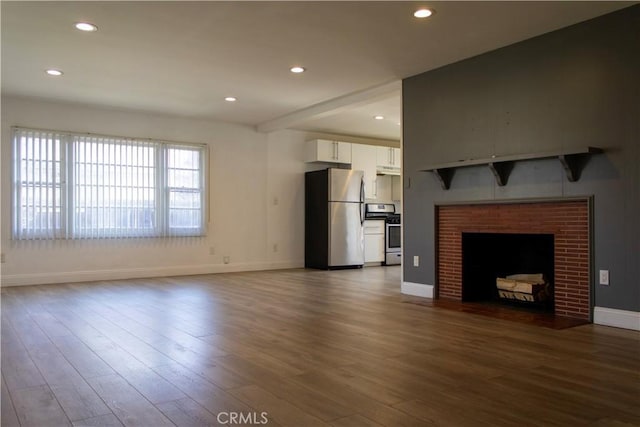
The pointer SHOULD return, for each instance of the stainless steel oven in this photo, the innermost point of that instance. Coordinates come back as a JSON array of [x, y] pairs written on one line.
[[392, 248], [393, 231]]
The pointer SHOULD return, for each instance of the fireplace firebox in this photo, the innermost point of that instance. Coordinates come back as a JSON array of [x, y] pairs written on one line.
[[488, 256]]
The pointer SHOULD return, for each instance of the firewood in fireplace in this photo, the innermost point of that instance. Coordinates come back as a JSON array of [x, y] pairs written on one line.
[[524, 287]]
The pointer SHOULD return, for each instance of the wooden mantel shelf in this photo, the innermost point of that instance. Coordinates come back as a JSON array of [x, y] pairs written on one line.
[[501, 166]]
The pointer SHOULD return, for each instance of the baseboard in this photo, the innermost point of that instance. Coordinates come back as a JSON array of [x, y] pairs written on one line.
[[617, 318], [139, 273], [417, 289]]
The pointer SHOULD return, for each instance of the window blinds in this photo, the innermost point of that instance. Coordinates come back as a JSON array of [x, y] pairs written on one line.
[[88, 186], [38, 196]]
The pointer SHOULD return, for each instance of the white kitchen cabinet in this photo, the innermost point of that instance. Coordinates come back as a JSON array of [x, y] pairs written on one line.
[[324, 150], [374, 240], [388, 157], [364, 158], [383, 188], [396, 188]]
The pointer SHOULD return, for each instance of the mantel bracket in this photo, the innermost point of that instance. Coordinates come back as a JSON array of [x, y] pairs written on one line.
[[444, 177], [501, 171], [573, 164]]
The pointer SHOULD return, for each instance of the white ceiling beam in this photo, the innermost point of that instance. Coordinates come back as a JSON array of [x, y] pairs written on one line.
[[332, 106]]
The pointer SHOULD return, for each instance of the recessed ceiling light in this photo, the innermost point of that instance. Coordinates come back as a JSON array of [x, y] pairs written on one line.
[[230, 99], [378, 117], [86, 26], [423, 13], [297, 70], [53, 72]]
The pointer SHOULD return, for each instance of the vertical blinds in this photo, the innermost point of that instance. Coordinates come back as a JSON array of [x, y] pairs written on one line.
[[38, 196], [87, 186]]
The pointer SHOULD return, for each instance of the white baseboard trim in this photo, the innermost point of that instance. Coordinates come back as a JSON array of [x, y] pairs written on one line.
[[139, 273], [417, 289], [617, 318]]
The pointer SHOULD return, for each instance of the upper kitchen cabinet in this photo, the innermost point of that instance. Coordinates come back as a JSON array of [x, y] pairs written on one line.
[[388, 160], [324, 150], [364, 158]]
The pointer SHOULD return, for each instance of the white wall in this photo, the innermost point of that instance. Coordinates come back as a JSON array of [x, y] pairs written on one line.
[[247, 170], [285, 196]]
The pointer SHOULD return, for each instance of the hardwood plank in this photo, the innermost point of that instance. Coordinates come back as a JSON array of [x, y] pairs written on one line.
[[50, 325], [147, 382], [152, 386], [131, 408], [8, 416], [133, 345], [338, 388], [59, 372], [405, 380], [18, 369], [108, 420], [482, 403], [212, 398], [392, 417], [37, 407], [74, 395], [277, 409], [186, 412], [108, 350], [314, 403], [79, 401], [142, 320], [613, 422], [434, 415], [217, 374], [347, 380], [354, 421], [84, 360]]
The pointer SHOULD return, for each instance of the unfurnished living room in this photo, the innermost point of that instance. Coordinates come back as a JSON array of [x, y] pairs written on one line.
[[315, 213]]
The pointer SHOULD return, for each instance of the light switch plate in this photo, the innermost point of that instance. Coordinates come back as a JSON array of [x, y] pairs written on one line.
[[416, 261], [604, 277]]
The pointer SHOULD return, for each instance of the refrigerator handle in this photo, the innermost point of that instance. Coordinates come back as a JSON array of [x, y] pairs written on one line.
[[362, 201]]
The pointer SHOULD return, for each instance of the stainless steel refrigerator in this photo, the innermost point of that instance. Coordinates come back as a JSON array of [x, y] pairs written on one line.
[[334, 214]]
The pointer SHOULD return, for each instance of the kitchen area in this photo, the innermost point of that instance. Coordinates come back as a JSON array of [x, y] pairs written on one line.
[[353, 200]]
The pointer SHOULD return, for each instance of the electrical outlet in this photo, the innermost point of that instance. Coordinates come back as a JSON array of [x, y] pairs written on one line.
[[416, 261], [275, 247], [226, 259], [212, 250], [604, 277], [275, 201]]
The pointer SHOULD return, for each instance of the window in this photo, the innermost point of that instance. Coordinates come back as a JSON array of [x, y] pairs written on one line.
[[73, 186]]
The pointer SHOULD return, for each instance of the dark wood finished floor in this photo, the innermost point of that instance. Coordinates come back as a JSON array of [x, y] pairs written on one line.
[[308, 348], [513, 312]]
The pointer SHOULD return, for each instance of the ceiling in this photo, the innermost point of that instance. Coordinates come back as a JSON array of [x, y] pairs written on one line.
[[182, 58]]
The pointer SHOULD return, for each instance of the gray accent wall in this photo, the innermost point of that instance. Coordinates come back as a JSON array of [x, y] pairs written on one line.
[[575, 87]]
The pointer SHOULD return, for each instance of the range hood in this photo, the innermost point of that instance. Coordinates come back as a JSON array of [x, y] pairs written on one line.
[[387, 170]]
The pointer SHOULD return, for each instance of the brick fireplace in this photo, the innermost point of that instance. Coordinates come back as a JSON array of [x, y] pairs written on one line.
[[568, 222]]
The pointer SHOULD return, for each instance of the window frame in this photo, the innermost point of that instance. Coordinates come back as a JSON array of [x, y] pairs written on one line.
[[65, 229]]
